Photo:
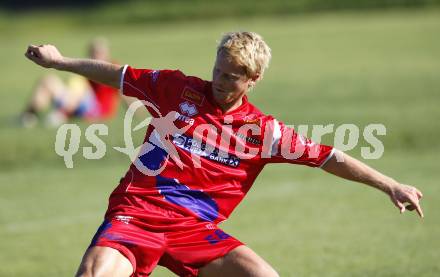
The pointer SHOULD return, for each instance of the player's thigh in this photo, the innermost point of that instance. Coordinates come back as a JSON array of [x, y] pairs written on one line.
[[241, 261], [104, 261]]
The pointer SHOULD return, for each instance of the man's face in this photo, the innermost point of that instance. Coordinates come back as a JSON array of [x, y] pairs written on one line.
[[229, 81]]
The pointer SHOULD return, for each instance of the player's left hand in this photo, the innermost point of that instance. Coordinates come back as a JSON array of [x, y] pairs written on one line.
[[402, 194]]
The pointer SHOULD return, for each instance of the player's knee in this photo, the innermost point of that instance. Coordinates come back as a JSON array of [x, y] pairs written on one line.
[[86, 270], [91, 266], [102, 262], [265, 270], [83, 272]]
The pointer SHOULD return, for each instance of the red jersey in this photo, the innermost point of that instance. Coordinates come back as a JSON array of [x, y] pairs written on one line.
[[200, 169], [107, 99]]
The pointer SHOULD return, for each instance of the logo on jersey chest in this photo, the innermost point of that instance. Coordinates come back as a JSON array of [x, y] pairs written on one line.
[[193, 96], [255, 121], [188, 108]]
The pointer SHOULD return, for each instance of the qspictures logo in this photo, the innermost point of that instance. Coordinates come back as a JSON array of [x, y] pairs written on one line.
[[165, 138]]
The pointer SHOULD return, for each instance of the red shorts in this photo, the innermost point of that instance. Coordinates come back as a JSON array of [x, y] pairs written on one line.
[[182, 252]]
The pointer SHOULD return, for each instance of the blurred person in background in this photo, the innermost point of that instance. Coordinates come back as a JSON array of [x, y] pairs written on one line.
[[78, 97]]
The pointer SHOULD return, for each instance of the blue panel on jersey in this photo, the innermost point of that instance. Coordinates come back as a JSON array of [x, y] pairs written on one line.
[[195, 200], [153, 159]]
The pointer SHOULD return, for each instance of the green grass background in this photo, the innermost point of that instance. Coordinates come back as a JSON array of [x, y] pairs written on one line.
[[344, 67]]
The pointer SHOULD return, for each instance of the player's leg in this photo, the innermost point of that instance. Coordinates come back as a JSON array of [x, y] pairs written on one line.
[[120, 248], [104, 261], [241, 261]]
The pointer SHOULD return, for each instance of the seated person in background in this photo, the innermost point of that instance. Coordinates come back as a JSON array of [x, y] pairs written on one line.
[[78, 97]]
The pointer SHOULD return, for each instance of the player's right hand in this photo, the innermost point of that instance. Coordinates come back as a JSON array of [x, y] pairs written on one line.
[[44, 55]]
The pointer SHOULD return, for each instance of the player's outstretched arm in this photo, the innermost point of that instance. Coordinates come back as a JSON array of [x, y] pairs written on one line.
[[347, 167], [100, 71]]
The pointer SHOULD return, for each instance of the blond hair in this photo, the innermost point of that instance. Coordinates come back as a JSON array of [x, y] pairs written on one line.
[[247, 49]]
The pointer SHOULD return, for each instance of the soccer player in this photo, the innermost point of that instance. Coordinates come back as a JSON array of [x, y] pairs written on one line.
[[202, 151], [78, 97]]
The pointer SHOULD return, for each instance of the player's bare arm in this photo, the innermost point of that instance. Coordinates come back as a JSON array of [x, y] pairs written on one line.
[[100, 71], [347, 167]]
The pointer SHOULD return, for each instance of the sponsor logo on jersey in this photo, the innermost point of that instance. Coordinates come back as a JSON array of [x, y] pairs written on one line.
[[204, 150], [251, 140], [188, 108], [184, 118], [193, 96], [251, 119]]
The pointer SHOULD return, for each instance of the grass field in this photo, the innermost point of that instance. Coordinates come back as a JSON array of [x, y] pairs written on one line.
[[360, 68]]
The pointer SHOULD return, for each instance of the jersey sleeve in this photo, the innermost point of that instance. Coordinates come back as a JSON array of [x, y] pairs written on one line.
[[153, 86], [288, 146]]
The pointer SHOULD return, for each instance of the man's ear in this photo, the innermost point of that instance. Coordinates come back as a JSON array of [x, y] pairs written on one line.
[[254, 80]]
